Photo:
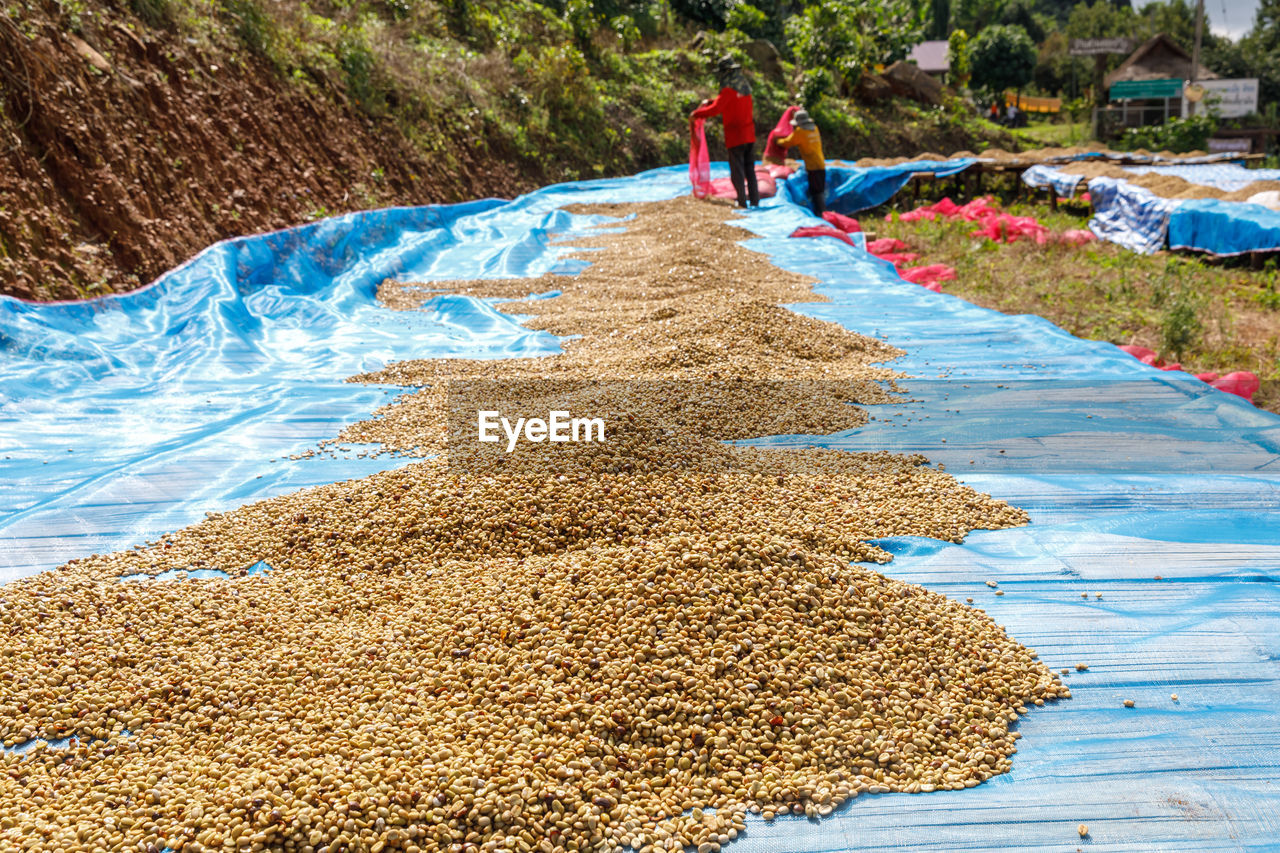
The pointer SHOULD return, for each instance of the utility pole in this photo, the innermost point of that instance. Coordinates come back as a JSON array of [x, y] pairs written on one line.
[[1195, 52]]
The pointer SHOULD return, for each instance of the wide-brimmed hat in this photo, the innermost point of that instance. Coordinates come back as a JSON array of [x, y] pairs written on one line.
[[801, 119], [726, 64]]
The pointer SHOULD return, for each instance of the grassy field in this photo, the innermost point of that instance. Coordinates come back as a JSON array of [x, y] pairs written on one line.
[[1209, 315], [1052, 135]]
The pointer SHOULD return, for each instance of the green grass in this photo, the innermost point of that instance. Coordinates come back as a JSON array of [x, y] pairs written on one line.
[[1211, 316], [1054, 135]]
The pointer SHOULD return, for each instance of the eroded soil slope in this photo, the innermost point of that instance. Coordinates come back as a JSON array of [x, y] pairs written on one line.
[[127, 150]]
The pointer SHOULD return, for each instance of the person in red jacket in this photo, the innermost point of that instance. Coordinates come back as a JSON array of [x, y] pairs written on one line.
[[734, 106]]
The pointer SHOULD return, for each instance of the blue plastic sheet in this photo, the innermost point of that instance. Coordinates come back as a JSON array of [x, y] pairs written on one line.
[[851, 189], [1041, 176], [1144, 222], [1134, 217], [1127, 473], [1224, 227], [125, 417]]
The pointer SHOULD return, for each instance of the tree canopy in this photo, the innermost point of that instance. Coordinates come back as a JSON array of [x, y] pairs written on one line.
[[1002, 57]]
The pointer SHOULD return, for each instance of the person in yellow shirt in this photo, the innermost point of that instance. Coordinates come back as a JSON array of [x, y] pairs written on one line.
[[805, 136]]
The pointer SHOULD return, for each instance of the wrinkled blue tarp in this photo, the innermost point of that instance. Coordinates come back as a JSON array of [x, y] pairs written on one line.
[[127, 416], [1127, 472], [851, 189], [1224, 227], [1134, 217], [1144, 222], [1041, 176]]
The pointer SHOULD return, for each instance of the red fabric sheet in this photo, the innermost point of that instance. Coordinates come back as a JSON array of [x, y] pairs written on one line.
[[847, 224], [886, 244], [782, 129], [822, 231], [723, 187], [931, 274], [1242, 383], [699, 159]]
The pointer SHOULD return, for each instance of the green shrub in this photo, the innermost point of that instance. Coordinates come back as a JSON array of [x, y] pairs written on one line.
[[1177, 134], [958, 57], [359, 72], [251, 26], [747, 18], [815, 84], [848, 36], [156, 13], [1180, 328]]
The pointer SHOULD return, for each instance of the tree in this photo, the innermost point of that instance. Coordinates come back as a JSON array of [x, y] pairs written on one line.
[[1261, 50], [1002, 57], [1174, 18], [1058, 10], [939, 19], [848, 36], [1100, 20], [958, 57], [1020, 13], [972, 15]]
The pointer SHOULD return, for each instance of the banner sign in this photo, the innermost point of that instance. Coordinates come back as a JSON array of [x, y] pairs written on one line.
[[1219, 146], [1169, 87], [1228, 98], [1093, 47]]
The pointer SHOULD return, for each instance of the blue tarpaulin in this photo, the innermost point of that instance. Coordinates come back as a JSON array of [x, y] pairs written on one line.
[[1041, 176], [1149, 489], [1139, 220], [1134, 217], [1224, 227], [851, 189]]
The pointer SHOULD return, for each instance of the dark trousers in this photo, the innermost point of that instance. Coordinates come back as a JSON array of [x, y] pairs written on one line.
[[742, 167], [817, 190]]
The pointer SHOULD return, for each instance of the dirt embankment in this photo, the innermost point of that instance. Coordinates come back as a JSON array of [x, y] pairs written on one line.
[[125, 150]]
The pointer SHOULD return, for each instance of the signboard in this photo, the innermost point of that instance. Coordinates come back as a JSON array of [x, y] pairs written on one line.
[[1218, 146], [1125, 90], [1228, 98], [1093, 47]]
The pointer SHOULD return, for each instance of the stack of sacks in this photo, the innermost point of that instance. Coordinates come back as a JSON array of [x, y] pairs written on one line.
[[1003, 228], [1242, 383], [1149, 356]]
